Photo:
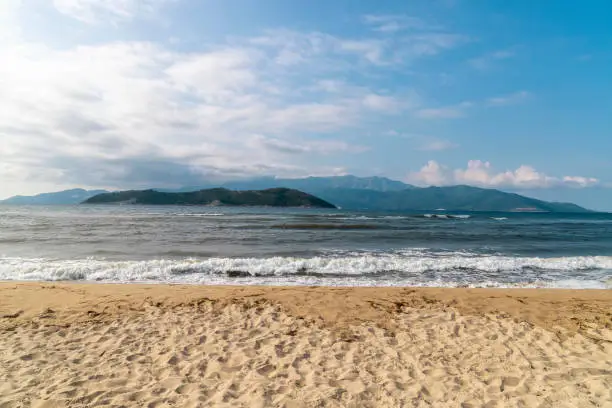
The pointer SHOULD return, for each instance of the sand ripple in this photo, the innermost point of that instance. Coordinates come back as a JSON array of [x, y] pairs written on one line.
[[259, 356]]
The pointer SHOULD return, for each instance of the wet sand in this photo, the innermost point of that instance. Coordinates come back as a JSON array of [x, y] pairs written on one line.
[[82, 345]]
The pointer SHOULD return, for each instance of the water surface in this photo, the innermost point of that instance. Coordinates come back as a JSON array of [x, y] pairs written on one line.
[[223, 245]]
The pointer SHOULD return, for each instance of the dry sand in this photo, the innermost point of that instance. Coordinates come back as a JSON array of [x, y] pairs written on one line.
[[74, 345]]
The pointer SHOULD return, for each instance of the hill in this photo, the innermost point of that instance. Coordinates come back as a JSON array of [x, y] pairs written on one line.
[[455, 198], [275, 197], [74, 196]]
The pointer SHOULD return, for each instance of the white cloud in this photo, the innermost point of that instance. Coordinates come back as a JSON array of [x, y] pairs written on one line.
[[437, 145], [382, 103], [371, 50], [217, 74], [578, 181], [449, 112], [445, 112], [510, 99], [98, 11], [330, 85], [319, 51], [429, 44], [304, 146], [461, 109], [487, 61], [432, 174], [9, 15], [391, 23], [482, 174], [424, 142], [323, 50], [137, 114]]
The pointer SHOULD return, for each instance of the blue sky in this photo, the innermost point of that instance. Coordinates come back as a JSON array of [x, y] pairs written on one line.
[[138, 93]]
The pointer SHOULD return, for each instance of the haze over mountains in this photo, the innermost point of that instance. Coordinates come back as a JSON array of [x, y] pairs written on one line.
[[358, 193], [73, 196], [310, 184]]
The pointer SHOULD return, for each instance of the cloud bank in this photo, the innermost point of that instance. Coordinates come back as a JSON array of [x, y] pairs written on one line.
[[481, 173], [114, 11], [141, 113], [133, 114]]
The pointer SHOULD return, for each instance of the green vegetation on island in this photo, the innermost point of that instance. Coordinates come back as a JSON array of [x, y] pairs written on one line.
[[274, 197]]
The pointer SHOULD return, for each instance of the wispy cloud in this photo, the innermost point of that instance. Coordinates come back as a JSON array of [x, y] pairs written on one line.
[[141, 113], [481, 173], [510, 99], [391, 23], [445, 112], [384, 103], [9, 17], [371, 50], [461, 110], [429, 44], [423, 142], [305, 146], [438, 145], [123, 114], [96, 11], [487, 61], [325, 51]]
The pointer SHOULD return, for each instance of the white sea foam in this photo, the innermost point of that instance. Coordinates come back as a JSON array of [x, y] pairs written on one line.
[[412, 268], [448, 216], [197, 214], [162, 214], [367, 217]]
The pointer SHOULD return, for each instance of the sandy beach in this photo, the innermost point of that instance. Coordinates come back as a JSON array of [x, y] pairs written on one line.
[[82, 345]]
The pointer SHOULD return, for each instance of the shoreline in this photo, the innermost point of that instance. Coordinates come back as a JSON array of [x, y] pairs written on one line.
[[130, 345]]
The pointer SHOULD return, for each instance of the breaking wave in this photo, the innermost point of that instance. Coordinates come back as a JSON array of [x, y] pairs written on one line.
[[408, 268], [325, 226], [448, 216]]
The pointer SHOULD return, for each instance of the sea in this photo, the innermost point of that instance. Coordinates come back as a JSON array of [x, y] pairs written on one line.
[[274, 246]]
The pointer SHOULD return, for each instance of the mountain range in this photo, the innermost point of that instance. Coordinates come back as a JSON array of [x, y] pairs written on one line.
[[74, 196], [356, 193]]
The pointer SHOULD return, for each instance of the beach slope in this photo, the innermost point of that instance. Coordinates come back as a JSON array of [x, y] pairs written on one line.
[[78, 345]]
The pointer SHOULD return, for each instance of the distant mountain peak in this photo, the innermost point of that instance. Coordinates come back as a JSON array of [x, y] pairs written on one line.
[[71, 196]]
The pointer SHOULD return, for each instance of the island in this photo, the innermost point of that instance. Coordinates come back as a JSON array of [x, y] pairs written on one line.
[[347, 192], [273, 197]]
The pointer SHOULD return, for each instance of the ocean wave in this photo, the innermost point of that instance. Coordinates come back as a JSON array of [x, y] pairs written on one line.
[[324, 226], [448, 216], [458, 269], [345, 217], [197, 214], [178, 214]]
